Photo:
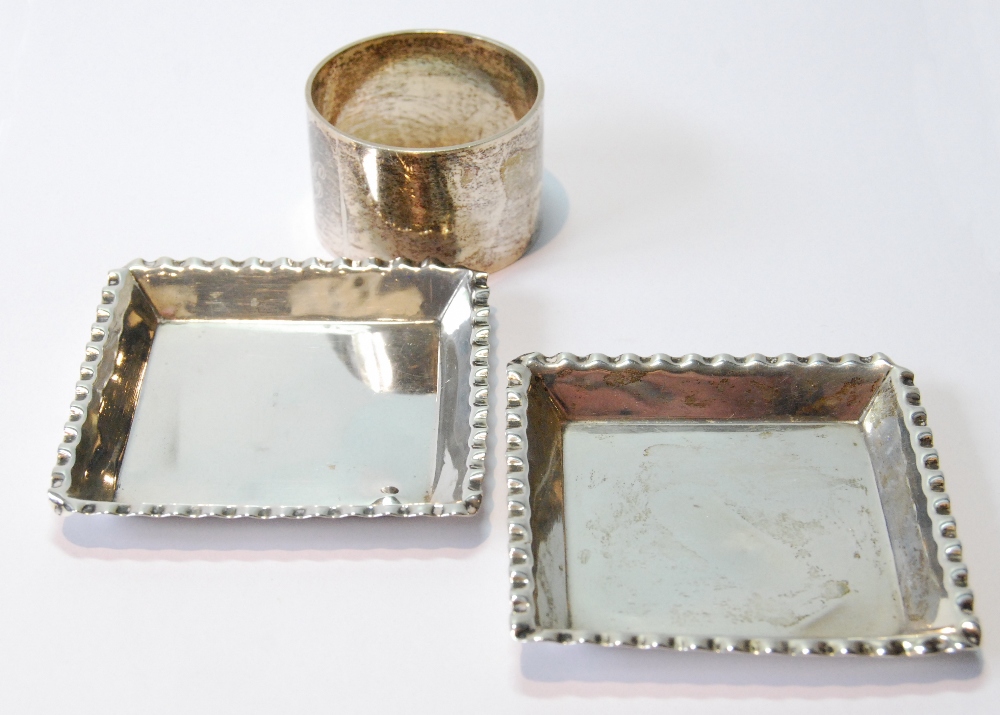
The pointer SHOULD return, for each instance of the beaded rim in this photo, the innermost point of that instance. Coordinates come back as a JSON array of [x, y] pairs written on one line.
[[963, 634], [102, 345]]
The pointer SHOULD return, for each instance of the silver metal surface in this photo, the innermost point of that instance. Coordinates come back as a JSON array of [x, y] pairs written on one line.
[[427, 144], [281, 389], [764, 505]]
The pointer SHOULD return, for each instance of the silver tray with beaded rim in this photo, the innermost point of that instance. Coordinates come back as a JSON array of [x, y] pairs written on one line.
[[280, 389], [760, 504]]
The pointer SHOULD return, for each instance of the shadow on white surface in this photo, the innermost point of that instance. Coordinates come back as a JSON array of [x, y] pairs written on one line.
[[553, 213], [550, 664], [99, 536]]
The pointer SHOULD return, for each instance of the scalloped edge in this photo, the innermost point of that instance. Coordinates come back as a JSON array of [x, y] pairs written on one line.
[[103, 339], [965, 635]]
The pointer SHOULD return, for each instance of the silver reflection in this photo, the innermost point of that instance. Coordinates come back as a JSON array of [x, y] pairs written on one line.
[[316, 390]]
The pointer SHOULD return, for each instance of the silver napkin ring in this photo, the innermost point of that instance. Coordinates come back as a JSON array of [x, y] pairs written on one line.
[[427, 144]]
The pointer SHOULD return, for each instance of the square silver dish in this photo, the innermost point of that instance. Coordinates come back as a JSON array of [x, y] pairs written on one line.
[[764, 505], [281, 389]]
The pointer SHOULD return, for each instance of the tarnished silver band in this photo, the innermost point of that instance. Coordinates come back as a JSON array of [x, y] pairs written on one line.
[[427, 144]]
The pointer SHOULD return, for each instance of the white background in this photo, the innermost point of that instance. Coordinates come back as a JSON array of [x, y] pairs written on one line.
[[723, 177]]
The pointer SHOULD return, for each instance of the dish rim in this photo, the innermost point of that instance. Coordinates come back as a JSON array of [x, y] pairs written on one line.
[[101, 345], [963, 634]]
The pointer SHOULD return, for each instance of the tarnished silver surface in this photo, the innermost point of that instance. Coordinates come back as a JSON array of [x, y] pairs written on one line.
[[427, 144], [280, 389], [764, 505]]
